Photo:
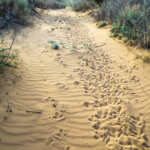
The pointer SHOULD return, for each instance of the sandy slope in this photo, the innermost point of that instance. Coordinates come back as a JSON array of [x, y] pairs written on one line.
[[89, 94]]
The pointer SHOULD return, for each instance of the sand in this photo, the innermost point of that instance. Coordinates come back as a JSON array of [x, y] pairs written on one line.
[[90, 94]]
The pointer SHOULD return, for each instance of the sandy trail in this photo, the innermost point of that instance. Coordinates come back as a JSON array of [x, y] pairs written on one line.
[[90, 94]]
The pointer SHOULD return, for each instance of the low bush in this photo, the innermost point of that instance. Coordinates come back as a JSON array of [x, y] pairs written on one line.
[[5, 53], [12, 10], [16, 10], [53, 4], [103, 24], [131, 19], [83, 5]]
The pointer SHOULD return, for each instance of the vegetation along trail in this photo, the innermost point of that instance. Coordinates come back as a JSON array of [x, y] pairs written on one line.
[[74, 89]]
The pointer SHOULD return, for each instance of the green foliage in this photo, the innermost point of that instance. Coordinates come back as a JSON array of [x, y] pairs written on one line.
[[103, 24], [125, 40], [74, 49], [11, 10], [131, 20], [54, 4], [115, 35], [16, 10], [52, 42], [82, 5], [3, 56], [68, 28], [120, 37], [55, 46]]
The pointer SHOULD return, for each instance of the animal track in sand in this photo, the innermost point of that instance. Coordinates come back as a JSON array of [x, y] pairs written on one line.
[[62, 86], [70, 77], [57, 137], [58, 110], [113, 125], [59, 117], [77, 83], [60, 60]]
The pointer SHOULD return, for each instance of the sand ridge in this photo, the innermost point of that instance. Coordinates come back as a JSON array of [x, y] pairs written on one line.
[[79, 97]]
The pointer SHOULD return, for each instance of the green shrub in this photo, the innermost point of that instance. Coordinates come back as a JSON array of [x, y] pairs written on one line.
[[103, 24], [12, 10], [131, 19], [16, 10], [55, 46], [54, 4], [83, 5]]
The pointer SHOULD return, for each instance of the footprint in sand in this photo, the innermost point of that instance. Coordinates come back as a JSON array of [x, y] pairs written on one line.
[[63, 87], [70, 77], [59, 117], [86, 104], [57, 137], [113, 124], [77, 83]]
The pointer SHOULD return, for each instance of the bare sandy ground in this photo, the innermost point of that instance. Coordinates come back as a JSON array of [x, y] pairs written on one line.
[[91, 94]]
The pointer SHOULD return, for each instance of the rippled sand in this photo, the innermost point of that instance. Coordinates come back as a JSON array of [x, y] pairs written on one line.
[[91, 94]]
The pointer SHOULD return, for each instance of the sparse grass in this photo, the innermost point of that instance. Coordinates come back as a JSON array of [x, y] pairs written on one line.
[[145, 58], [74, 49], [87, 46]]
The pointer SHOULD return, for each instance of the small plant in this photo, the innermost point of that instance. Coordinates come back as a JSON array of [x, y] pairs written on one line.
[[103, 24], [120, 37], [52, 29], [55, 46], [52, 42], [87, 46], [115, 35], [74, 49], [5, 118], [68, 28], [125, 40]]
